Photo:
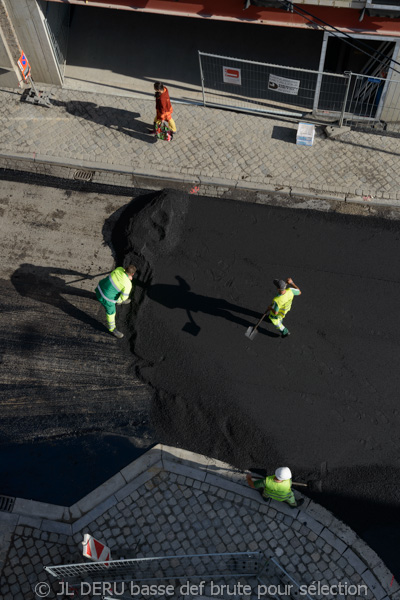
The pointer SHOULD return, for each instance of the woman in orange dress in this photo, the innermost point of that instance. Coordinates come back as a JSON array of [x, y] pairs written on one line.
[[164, 108]]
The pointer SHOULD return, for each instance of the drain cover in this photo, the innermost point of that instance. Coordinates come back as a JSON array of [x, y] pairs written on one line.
[[84, 175], [6, 503]]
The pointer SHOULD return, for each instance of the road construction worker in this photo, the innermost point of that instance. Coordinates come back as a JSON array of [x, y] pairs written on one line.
[[113, 290], [278, 487], [282, 303]]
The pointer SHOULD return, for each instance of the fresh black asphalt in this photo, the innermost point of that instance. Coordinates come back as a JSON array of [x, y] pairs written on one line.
[[323, 401]]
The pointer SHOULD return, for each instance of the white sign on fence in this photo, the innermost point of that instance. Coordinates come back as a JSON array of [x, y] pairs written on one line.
[[232, 75], [283, 85]]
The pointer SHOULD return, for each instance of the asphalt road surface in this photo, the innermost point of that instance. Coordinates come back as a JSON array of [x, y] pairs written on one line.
[[72, 410], [324, 400]]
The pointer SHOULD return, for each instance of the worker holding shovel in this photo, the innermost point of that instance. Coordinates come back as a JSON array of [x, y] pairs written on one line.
[[279, 307], [278, 487], [282, 303]]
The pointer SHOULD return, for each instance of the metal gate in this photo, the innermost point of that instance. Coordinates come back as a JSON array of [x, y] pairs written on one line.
[[258, 87], [56, 19], [373, 102]]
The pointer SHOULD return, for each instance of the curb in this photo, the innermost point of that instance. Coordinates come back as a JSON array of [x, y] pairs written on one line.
[[243, 190], [203, 473]]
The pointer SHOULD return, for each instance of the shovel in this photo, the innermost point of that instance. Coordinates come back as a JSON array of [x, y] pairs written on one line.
[[252, 331]]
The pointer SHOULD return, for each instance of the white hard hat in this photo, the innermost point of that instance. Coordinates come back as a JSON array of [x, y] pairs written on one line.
[[283, 473]]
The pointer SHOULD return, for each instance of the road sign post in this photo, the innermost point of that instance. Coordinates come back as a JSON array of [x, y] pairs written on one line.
[[31, 94]]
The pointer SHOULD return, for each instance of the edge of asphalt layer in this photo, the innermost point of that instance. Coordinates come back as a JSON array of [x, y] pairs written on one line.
[[154, 179], [208, 473]]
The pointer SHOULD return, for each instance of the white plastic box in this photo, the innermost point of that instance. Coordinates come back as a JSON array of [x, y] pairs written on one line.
[[305, 134]]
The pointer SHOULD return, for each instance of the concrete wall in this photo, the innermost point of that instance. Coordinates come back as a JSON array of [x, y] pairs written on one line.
[[28, 21], [8, 76], [9, 51], [391, 107]]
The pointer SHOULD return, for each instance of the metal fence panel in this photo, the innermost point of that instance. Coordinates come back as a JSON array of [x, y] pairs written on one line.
[[251, 86], [162, 567], [265, 87], [332, 94], [275, 576], [374, 102]]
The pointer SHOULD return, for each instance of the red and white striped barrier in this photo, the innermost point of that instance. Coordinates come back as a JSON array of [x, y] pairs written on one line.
[[95, 550]]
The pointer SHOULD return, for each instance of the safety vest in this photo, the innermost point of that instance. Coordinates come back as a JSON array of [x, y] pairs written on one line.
[[284, 302], [280, 491], [116, 287]]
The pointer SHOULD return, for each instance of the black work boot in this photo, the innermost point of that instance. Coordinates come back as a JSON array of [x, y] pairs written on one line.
[[298, 503], [117, 334]]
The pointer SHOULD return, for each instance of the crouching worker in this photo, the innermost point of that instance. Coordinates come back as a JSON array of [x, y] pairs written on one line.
[[278, 487], [113, 290]]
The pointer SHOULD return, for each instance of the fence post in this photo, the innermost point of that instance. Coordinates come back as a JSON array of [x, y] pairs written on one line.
[[349, 74], [202, 78]]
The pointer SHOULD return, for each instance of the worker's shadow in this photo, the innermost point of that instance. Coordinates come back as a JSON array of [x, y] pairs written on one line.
[[114, 118], [180, 296], [43, 285]]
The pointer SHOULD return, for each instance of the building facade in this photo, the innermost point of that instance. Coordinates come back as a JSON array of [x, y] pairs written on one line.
[[40, 29]]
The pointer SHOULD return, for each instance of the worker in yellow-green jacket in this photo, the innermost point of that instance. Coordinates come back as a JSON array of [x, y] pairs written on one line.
[[278, 487], [113, 290], [282, 303]]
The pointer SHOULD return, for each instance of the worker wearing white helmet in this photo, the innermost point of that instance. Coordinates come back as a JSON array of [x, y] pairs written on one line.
[[278, 487]]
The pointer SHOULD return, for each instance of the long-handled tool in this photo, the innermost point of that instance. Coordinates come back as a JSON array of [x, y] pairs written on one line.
[[252, 331], [314, 486], [88, 277]]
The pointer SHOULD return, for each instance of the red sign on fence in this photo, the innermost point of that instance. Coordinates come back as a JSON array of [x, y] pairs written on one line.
[[232, 75]]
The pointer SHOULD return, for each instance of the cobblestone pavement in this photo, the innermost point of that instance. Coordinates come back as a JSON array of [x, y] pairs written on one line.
[[211, 143], [172, 502]]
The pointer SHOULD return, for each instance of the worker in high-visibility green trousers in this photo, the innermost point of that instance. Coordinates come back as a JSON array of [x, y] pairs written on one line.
[[278, 487], [282, 303], [113, 290]]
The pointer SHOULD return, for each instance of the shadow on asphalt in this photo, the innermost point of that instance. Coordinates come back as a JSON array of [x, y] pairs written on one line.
[[180, 296], [376, 522], [63, 471], [43, 285]]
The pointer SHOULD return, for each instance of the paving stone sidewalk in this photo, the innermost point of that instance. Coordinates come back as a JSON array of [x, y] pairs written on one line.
[[172, 502], [100, 131]]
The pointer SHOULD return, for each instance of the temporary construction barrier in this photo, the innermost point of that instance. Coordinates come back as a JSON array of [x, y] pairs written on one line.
[[253, 568], [266, 88], [95, 550]]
